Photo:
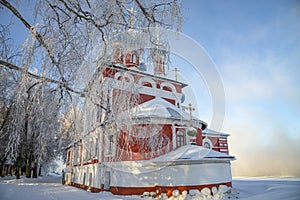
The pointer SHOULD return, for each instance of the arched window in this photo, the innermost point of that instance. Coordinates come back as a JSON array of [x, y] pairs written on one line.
[[132, 59]]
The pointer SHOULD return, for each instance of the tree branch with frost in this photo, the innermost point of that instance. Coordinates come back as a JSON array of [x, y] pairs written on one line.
[[32, 75], [5, 121], [38, 36]]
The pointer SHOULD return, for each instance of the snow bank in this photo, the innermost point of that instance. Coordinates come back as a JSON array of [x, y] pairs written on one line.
[[287, 188]]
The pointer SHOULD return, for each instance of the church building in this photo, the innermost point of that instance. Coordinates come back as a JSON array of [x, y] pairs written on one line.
[[144, 139]]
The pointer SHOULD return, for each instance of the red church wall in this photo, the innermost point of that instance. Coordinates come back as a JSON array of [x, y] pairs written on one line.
[[219, 144], [199, 137], [170, 101], [145, 97], [68, 162], [178, 88], [109, 72], [144, 147], [222, 145]]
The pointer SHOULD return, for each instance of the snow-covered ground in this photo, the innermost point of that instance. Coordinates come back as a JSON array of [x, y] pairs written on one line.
[[268, 188], [50, 188]]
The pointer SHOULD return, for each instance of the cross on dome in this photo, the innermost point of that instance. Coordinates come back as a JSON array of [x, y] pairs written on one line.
[[176, 73], [190, 109], [131, 10]]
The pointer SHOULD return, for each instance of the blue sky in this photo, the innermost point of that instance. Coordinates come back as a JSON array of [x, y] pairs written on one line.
[[256, 48]]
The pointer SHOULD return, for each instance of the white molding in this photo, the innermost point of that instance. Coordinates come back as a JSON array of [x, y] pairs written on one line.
[[168, 85], [147, 80], [206, 140], [124, 74], [116, 84]]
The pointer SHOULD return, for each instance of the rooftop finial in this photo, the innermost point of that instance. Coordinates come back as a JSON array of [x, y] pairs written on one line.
[[176, 73], [191, 109], [131, 10]]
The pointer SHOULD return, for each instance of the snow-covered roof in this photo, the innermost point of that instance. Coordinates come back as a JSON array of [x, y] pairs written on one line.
[[193, 153], [215, 133], [161, 108]]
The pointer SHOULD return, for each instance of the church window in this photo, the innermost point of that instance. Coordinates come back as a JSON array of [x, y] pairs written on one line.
[[179, 138], [110, 144], [96, 147], [134, 58]]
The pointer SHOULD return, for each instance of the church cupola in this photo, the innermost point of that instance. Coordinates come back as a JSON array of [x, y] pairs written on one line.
[[132, 59]]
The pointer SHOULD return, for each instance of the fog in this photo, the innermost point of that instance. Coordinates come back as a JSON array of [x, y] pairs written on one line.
[[277, 154]]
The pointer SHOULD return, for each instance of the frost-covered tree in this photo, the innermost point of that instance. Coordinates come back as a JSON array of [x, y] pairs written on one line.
[[50, 72]]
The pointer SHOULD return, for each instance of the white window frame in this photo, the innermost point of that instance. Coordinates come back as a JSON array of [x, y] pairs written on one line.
[[180, 134]]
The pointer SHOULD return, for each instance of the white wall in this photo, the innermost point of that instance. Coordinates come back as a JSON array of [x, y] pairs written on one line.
[[195, 174]]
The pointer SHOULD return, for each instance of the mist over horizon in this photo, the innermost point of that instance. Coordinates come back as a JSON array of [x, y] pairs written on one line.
[[278, 156]]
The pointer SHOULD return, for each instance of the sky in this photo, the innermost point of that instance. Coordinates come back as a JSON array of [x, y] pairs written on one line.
[[255, 46]]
